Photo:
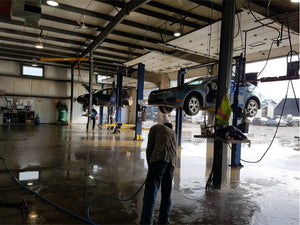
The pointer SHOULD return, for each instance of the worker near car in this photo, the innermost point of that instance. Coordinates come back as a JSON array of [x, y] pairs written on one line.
[[93, 117], [224, 112], [161, 156]]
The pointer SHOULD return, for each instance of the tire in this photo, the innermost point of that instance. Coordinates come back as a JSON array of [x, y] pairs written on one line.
[[165, 109], [252, 108], [192, 105]]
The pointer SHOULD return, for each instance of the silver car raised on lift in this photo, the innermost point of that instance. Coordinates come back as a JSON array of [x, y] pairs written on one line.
[[200, 94]]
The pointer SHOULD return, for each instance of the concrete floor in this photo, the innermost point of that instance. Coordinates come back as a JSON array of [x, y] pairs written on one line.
[[75, 166]]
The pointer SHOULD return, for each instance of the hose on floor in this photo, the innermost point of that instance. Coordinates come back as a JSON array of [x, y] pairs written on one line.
[[89, 220], [110, 197]]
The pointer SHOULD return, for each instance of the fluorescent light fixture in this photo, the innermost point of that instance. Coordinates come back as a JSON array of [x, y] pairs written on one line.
[[283, 38], [52, 3], [257, 44], [295, 1], [177, 33], [39, 45], [29, 175], [238, 49]]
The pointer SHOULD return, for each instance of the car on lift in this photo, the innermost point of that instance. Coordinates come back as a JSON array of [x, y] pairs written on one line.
[[103, 97], [200, 94]]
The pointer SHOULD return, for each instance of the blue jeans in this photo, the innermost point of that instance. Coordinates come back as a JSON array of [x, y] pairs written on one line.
[[158, 173]]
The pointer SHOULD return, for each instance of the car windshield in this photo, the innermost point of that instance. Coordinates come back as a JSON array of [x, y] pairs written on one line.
[[198, 81]]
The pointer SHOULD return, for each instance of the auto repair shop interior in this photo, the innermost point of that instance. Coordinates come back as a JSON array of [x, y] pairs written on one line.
[[134, 62]]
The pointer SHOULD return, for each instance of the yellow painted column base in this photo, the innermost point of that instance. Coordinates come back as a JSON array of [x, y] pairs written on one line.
[[139, 137]]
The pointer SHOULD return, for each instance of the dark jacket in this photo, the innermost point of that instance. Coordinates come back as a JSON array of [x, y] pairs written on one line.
[[161, 145]]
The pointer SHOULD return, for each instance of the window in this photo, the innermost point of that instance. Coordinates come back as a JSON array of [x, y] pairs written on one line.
[[35, 71], [101, 78]]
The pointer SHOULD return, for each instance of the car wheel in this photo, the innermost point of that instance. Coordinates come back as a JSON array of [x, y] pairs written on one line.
[[165, 109], [252, 107], [192, 105]]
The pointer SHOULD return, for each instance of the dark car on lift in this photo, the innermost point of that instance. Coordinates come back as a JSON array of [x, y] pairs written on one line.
[[103, 97], [199, 94]]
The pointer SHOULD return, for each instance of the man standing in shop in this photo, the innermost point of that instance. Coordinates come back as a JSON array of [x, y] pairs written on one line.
[[161, 157], [93, 117]]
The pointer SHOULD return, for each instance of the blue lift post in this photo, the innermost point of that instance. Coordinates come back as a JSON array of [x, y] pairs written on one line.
[[119, 96], [239, 75], [139, 99], [178, 122]]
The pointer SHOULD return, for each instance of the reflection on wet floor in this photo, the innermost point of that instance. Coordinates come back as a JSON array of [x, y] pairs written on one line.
[[71, 167]]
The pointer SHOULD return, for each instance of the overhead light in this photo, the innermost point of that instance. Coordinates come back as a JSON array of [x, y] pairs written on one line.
[[34, 63], [52, 3], [28, 175], [39, 45], [177, 33], [283, 38], [295, 1], [238, 49], [257, 44]]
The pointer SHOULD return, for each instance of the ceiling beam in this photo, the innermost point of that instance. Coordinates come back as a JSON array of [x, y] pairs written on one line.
[[85, 36], [183, 13], [57, 54], [98, 28], [119, 51], [134, 4], [34, 35], [17, 52], [40, 52], [52, 29], [147, 12], [169, 18], [208, 4], [28, 58], [50, 38], [109, 18], [32, 43]]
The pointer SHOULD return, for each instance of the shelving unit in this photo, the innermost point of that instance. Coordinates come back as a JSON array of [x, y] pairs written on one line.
[[18, 116]]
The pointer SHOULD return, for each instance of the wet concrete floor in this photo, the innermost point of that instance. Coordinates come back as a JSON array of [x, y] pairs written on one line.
[[73, 166]]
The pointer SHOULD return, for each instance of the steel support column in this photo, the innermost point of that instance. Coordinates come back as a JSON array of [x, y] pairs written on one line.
[[101, 111], [119, 96], [91, 72], [224, 78], [178, 122], [72, 93], [100, 115], [139, 102]]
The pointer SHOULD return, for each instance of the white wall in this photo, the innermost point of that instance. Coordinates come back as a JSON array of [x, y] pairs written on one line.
[[13, 84]]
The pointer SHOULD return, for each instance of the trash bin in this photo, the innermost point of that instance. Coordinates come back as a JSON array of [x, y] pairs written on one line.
[[62, 115]]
